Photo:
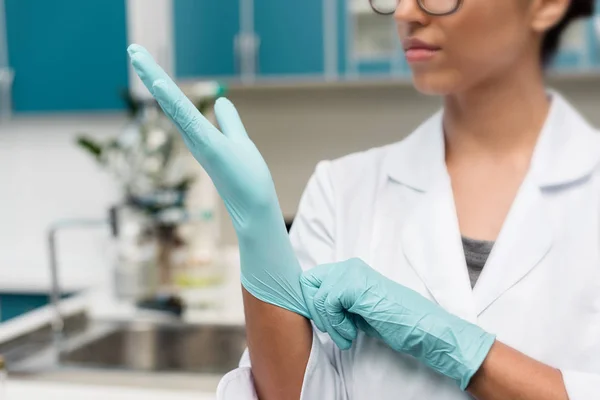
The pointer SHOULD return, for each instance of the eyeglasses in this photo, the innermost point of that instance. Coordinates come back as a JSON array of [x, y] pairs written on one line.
[[432, 7]]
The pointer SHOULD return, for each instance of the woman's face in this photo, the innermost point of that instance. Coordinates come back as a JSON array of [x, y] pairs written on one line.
[[481, 40]]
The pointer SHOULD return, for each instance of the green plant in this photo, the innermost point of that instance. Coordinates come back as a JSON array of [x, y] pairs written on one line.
[[148, 158]]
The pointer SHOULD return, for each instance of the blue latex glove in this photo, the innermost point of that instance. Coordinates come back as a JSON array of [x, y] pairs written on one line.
[[269, 268], [344, 296]]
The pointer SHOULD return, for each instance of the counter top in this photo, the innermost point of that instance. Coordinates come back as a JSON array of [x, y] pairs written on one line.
[[26, 390], [100, 303]]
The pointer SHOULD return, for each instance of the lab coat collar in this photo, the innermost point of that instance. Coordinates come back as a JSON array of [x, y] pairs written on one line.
[[568, 149], [420, 158]]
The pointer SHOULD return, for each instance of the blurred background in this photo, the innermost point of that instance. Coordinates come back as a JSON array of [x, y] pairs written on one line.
[[118, 262]]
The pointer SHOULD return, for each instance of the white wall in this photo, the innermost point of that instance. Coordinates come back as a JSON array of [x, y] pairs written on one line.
[[44, 177]]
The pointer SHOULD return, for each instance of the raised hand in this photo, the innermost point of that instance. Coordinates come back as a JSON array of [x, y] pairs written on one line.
[[270, 270]]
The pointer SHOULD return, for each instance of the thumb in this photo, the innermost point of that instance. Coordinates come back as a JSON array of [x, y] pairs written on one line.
[[229, 119]]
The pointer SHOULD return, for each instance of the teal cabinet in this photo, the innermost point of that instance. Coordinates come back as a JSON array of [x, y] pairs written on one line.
[[68, 55], [383, 67], [204, 33], [368, 43], [594, 37], [15, 304], [577, 47], [341, 24], [291, 38]]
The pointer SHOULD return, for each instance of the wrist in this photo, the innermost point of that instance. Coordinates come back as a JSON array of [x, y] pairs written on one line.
[[264, 217], [467, 347]]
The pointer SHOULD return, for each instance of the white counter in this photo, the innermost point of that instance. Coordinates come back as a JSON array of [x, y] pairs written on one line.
[[26, 390]]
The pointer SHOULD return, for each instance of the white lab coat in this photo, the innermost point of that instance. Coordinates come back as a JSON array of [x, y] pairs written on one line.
[[393, 207]]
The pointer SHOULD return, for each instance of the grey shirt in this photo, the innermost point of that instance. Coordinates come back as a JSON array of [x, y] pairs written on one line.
[[476, 255]]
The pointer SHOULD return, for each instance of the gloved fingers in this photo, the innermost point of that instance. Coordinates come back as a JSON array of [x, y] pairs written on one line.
[[316, 284], [338, 316], [310, 283], [199, 135], [190, 122], [320, 301], [316, 275], [308, 292], [229, 119]]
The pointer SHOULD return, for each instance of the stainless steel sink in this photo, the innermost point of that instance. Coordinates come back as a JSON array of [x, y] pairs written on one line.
[[139, 346]]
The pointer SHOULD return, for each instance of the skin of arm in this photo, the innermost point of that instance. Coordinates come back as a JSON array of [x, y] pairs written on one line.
[[279, 342], [507, 374]]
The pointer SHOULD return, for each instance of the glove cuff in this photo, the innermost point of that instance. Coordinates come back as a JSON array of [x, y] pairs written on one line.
[[478, 355]]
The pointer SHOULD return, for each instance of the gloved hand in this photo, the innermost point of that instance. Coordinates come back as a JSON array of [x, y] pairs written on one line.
[[344, 296], [269, 268]]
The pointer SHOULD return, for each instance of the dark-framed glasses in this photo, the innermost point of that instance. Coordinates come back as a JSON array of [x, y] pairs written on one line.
[[431, 7]]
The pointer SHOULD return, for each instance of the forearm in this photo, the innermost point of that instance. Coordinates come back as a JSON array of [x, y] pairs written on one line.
[[507, 374], [279, 342]]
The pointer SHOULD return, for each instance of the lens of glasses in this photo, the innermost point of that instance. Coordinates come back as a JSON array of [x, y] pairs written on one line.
[[435, 7], [384, 6], [440, 7]]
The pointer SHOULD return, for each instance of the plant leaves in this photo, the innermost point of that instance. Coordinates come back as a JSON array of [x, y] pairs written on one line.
[[91, 146]]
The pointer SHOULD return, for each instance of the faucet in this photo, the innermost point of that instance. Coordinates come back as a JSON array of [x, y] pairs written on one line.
[[57, 323]]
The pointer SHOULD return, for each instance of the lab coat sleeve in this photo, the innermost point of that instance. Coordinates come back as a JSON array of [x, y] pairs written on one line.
[[312, 237], [582, 385]]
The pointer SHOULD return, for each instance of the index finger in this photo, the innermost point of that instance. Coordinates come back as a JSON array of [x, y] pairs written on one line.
[[171, 99]]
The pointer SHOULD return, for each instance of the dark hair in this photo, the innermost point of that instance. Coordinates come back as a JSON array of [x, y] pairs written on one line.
[[577, 9]]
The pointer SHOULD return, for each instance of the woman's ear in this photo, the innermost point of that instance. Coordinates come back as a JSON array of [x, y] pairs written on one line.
[[547, 13]]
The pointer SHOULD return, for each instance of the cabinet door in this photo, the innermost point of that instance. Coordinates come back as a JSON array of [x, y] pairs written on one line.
[[67, 55], [594, 37], [205, 32], [15, 304], [370, 41], [291, 37]]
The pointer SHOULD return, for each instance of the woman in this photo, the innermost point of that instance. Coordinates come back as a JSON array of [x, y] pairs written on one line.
[[462, 261]]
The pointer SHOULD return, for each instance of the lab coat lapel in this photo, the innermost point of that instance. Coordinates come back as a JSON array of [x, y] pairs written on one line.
[[429, 233], [525, 239], [432, 245], [567, 151]]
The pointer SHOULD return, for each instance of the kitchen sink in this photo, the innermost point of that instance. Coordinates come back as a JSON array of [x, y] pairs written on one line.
[[164, 347]]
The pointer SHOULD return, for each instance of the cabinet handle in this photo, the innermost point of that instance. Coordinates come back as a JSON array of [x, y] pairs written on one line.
[[246, 51]]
